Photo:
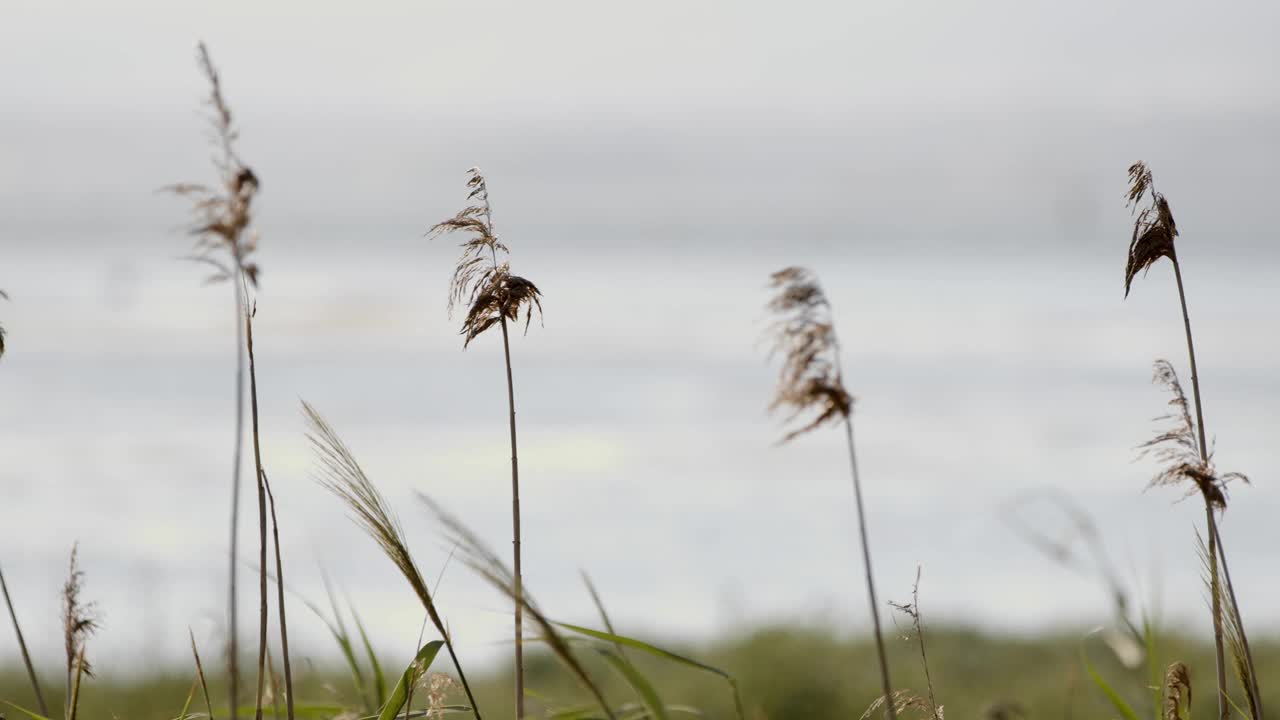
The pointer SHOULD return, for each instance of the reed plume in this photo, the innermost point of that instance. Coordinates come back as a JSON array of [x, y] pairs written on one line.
[[79, 621], [1186, 454], [493, 296], [811, 391], [4, 296], [223, 241], [341, 474]]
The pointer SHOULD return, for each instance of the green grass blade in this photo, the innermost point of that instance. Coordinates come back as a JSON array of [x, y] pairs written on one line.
[[379, 679], [24, 711], [313, 711], [190, 696], [1116, 701], [642, 686], [656, 651], [411, 674]]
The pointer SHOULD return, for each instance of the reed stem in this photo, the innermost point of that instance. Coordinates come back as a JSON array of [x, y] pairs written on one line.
[[515, 526], [22, 645], [233, 650], [262, 516], [866, 562], [1215, 590]]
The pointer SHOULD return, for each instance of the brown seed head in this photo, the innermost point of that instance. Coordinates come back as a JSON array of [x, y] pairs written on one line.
[[1153, 228], [1177, 683], [480, 281], [4, 296], [222, 215], [1177, 449], [79, 619], [809, 380]]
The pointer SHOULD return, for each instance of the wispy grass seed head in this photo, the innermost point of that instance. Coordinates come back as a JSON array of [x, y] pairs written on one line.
[[223, 214], [804, 336], [482, 282], [1176, 447], [79, 619], [1153, 227]]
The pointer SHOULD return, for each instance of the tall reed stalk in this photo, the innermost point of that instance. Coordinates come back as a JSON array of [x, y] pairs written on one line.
[[1187, 454], [225, 243], [811, 382], [493, 296], [22, 644]]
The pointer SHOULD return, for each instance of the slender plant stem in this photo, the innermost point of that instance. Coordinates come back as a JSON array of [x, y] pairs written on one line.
[[515, 526], [866, 563], [284, 628], [1215, 590], [233, 649], [262, 516], [924, 659], [1253, 688], [22, 645]]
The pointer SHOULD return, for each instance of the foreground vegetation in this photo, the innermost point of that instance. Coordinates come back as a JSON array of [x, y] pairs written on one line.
[[787, 673]]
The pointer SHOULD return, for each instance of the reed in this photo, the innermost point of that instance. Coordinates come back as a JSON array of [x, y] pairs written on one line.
[[79, 621], [224, 242], [493, 296], [811, 391], [1183, 450]]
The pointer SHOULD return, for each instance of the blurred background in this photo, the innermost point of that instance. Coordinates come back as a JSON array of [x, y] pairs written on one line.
[[955, 173]]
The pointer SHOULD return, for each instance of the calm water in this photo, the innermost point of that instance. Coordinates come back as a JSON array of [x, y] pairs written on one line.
[[978, 295]]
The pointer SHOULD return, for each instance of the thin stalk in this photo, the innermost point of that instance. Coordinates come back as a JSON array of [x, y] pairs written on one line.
[[22, 645], [1215, 590], [924, 659], [284, 628], [515, 526], [73, 687], [262, 516], [866, 562], [233, 650], [1253, 690]]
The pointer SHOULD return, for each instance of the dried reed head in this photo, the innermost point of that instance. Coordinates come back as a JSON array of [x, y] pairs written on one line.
[[1177, 450], [804, 335], [4, 296], [79, 619], [485, 285], [1177, 684], [222, 215], [1153, 228]]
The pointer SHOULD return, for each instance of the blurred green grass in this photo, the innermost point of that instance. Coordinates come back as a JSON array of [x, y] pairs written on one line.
[[786, 673]]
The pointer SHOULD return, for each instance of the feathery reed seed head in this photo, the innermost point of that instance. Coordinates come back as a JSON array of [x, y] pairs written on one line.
[[480, 281], [1153, 229], [1177, 449], [3, 296], [222, 215], [79, 619], [804, 335]]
